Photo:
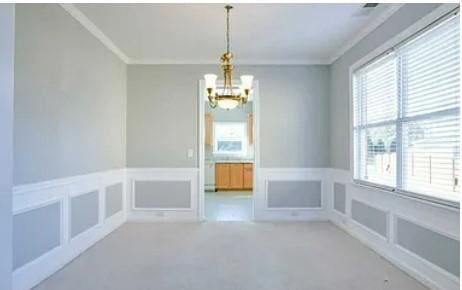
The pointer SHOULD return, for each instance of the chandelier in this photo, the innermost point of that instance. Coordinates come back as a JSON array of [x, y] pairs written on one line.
[[228, 97]]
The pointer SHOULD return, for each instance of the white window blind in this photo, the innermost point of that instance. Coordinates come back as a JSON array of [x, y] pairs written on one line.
[[376, 116], [407, 114]]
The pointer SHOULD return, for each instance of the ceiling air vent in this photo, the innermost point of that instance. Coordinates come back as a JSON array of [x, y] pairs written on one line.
[[370, 5], [365, 9]]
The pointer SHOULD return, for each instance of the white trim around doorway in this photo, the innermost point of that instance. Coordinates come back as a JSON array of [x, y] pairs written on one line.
[[201, 150]]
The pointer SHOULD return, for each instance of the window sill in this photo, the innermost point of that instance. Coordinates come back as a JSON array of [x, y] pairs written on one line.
[[432, 200]]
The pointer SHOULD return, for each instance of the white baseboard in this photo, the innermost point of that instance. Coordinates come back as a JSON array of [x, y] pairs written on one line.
[[430, 216], [163, 216], [33, 196]]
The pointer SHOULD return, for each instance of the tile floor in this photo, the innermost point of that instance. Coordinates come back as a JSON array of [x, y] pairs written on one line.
[[228, 206]]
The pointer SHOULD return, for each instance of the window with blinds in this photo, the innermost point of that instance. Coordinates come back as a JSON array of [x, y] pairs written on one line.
[[406, 107]]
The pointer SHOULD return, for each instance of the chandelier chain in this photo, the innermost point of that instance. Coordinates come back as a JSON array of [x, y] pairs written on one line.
[[227, 28]]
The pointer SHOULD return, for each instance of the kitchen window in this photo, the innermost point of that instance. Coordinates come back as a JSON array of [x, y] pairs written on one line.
[[406, 115], [230, 138]]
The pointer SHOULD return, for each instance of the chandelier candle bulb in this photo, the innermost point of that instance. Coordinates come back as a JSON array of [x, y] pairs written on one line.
[[227, 97], [210, 81], [246, 82]]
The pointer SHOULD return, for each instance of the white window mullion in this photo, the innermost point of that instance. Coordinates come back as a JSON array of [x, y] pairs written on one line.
[[401, 95]]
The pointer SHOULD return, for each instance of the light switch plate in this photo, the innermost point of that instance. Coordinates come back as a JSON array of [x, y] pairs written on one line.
[[190, 153]]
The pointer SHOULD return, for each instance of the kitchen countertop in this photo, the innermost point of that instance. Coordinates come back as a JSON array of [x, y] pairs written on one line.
[[224, 160]]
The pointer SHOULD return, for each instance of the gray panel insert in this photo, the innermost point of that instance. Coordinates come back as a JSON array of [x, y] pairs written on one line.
[[294, 194], [340, 197], [370, 217], [84, 212], [35, 233], [431, 246], [162, 194], [114, 199]]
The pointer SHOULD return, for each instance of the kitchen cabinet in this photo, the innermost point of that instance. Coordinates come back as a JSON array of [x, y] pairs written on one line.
[[222, 176], [208, 129], [248, 176], [233, 176], [236, 176]]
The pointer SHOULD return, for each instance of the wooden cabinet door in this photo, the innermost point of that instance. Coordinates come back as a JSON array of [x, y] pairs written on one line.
[[248, 175], [222, 176], [236, 175], [208, 129]]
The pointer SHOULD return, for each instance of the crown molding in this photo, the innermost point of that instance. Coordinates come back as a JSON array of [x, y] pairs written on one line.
[[96, 32], [93, 29], [378, 20], [319, 61]]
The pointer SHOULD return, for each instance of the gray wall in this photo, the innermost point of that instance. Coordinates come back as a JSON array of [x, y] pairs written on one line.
[[162, 114], [70, 98], [7, 13], [339, 83]]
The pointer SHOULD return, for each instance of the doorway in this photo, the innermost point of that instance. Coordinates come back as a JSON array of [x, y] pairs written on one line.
[[228, 159]]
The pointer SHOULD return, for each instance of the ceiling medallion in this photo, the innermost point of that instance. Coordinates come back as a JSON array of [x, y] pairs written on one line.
[[227, 97]]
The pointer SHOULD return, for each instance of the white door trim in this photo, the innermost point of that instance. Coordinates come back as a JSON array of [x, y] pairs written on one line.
[[201, 150]]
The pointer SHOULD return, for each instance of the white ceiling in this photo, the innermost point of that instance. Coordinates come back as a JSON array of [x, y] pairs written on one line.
[[260, 33]]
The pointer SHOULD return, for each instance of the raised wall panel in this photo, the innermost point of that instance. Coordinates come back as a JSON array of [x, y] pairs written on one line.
[[84, 212], [294, 194], [114, 199], [162, 194], [35, 233], [370, 217], [339, 197], [431, 246]]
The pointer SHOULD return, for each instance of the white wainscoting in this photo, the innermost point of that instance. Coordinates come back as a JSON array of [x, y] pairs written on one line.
[[441, 219], [32, 196], [163, 174], [266, 175]]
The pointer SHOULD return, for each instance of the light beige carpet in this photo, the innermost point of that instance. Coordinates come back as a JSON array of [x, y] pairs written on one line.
[[229, 256]]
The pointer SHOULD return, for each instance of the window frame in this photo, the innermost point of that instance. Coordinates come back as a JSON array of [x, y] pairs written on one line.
[[439, 15]]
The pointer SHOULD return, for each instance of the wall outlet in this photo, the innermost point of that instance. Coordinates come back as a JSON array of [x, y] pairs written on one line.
[[190, 153]]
